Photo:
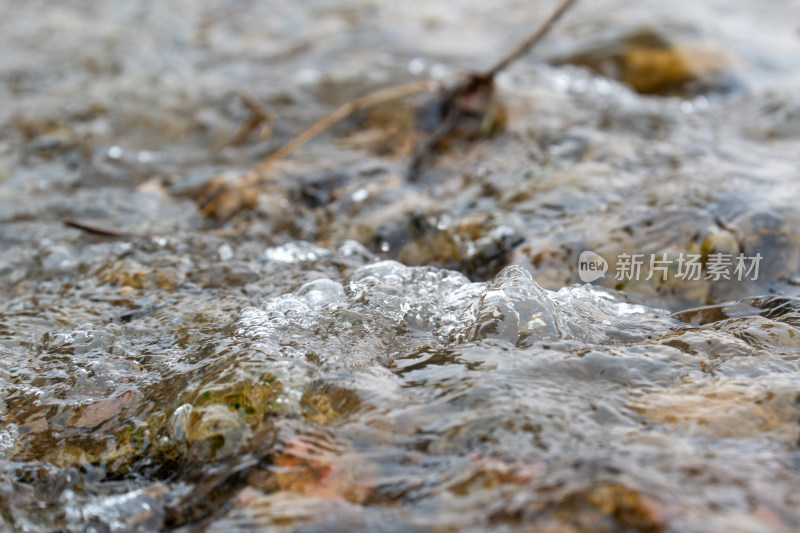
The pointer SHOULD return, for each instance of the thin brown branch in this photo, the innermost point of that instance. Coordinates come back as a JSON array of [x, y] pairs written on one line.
[[342, 112], [259, 117], [473, 96], [97, 230], [531, 41]]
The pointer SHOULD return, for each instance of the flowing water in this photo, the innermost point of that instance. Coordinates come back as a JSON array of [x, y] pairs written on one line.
[[360, 353]]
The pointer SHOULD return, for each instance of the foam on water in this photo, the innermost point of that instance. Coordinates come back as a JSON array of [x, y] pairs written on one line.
[[386, 309]]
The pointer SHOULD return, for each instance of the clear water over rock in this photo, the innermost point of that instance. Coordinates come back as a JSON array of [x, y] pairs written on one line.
[[355, 352]]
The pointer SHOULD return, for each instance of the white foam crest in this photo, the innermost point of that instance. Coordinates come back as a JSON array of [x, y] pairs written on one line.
[[385, 309]]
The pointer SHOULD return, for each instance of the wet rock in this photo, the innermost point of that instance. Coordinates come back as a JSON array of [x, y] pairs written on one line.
[[323, 403], [137, 276], [477, 246], [319, 191], [133, 443], [307, 469], [607, 507], [727, 410], [215, 432], [651, 63], [773, 234]]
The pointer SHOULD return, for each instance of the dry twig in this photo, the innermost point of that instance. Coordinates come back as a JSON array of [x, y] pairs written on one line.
[[531, 41], [97, 230], [473, 97], [331, 119], [259, 117]]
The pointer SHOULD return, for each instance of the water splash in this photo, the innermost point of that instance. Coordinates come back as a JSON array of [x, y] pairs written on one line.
[[386, 309]]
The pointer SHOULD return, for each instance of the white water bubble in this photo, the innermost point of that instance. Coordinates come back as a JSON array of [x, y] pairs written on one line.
[[115, 152], [416, 66], [296, 252], [225, 252], [360, 195]]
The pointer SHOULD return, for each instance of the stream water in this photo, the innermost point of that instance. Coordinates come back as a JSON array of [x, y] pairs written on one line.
[[354, 352]]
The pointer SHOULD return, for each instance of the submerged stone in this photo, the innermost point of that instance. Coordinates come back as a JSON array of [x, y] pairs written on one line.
[[651, 63]]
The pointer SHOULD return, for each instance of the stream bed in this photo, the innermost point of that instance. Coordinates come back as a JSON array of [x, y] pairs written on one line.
[[342, 349]]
